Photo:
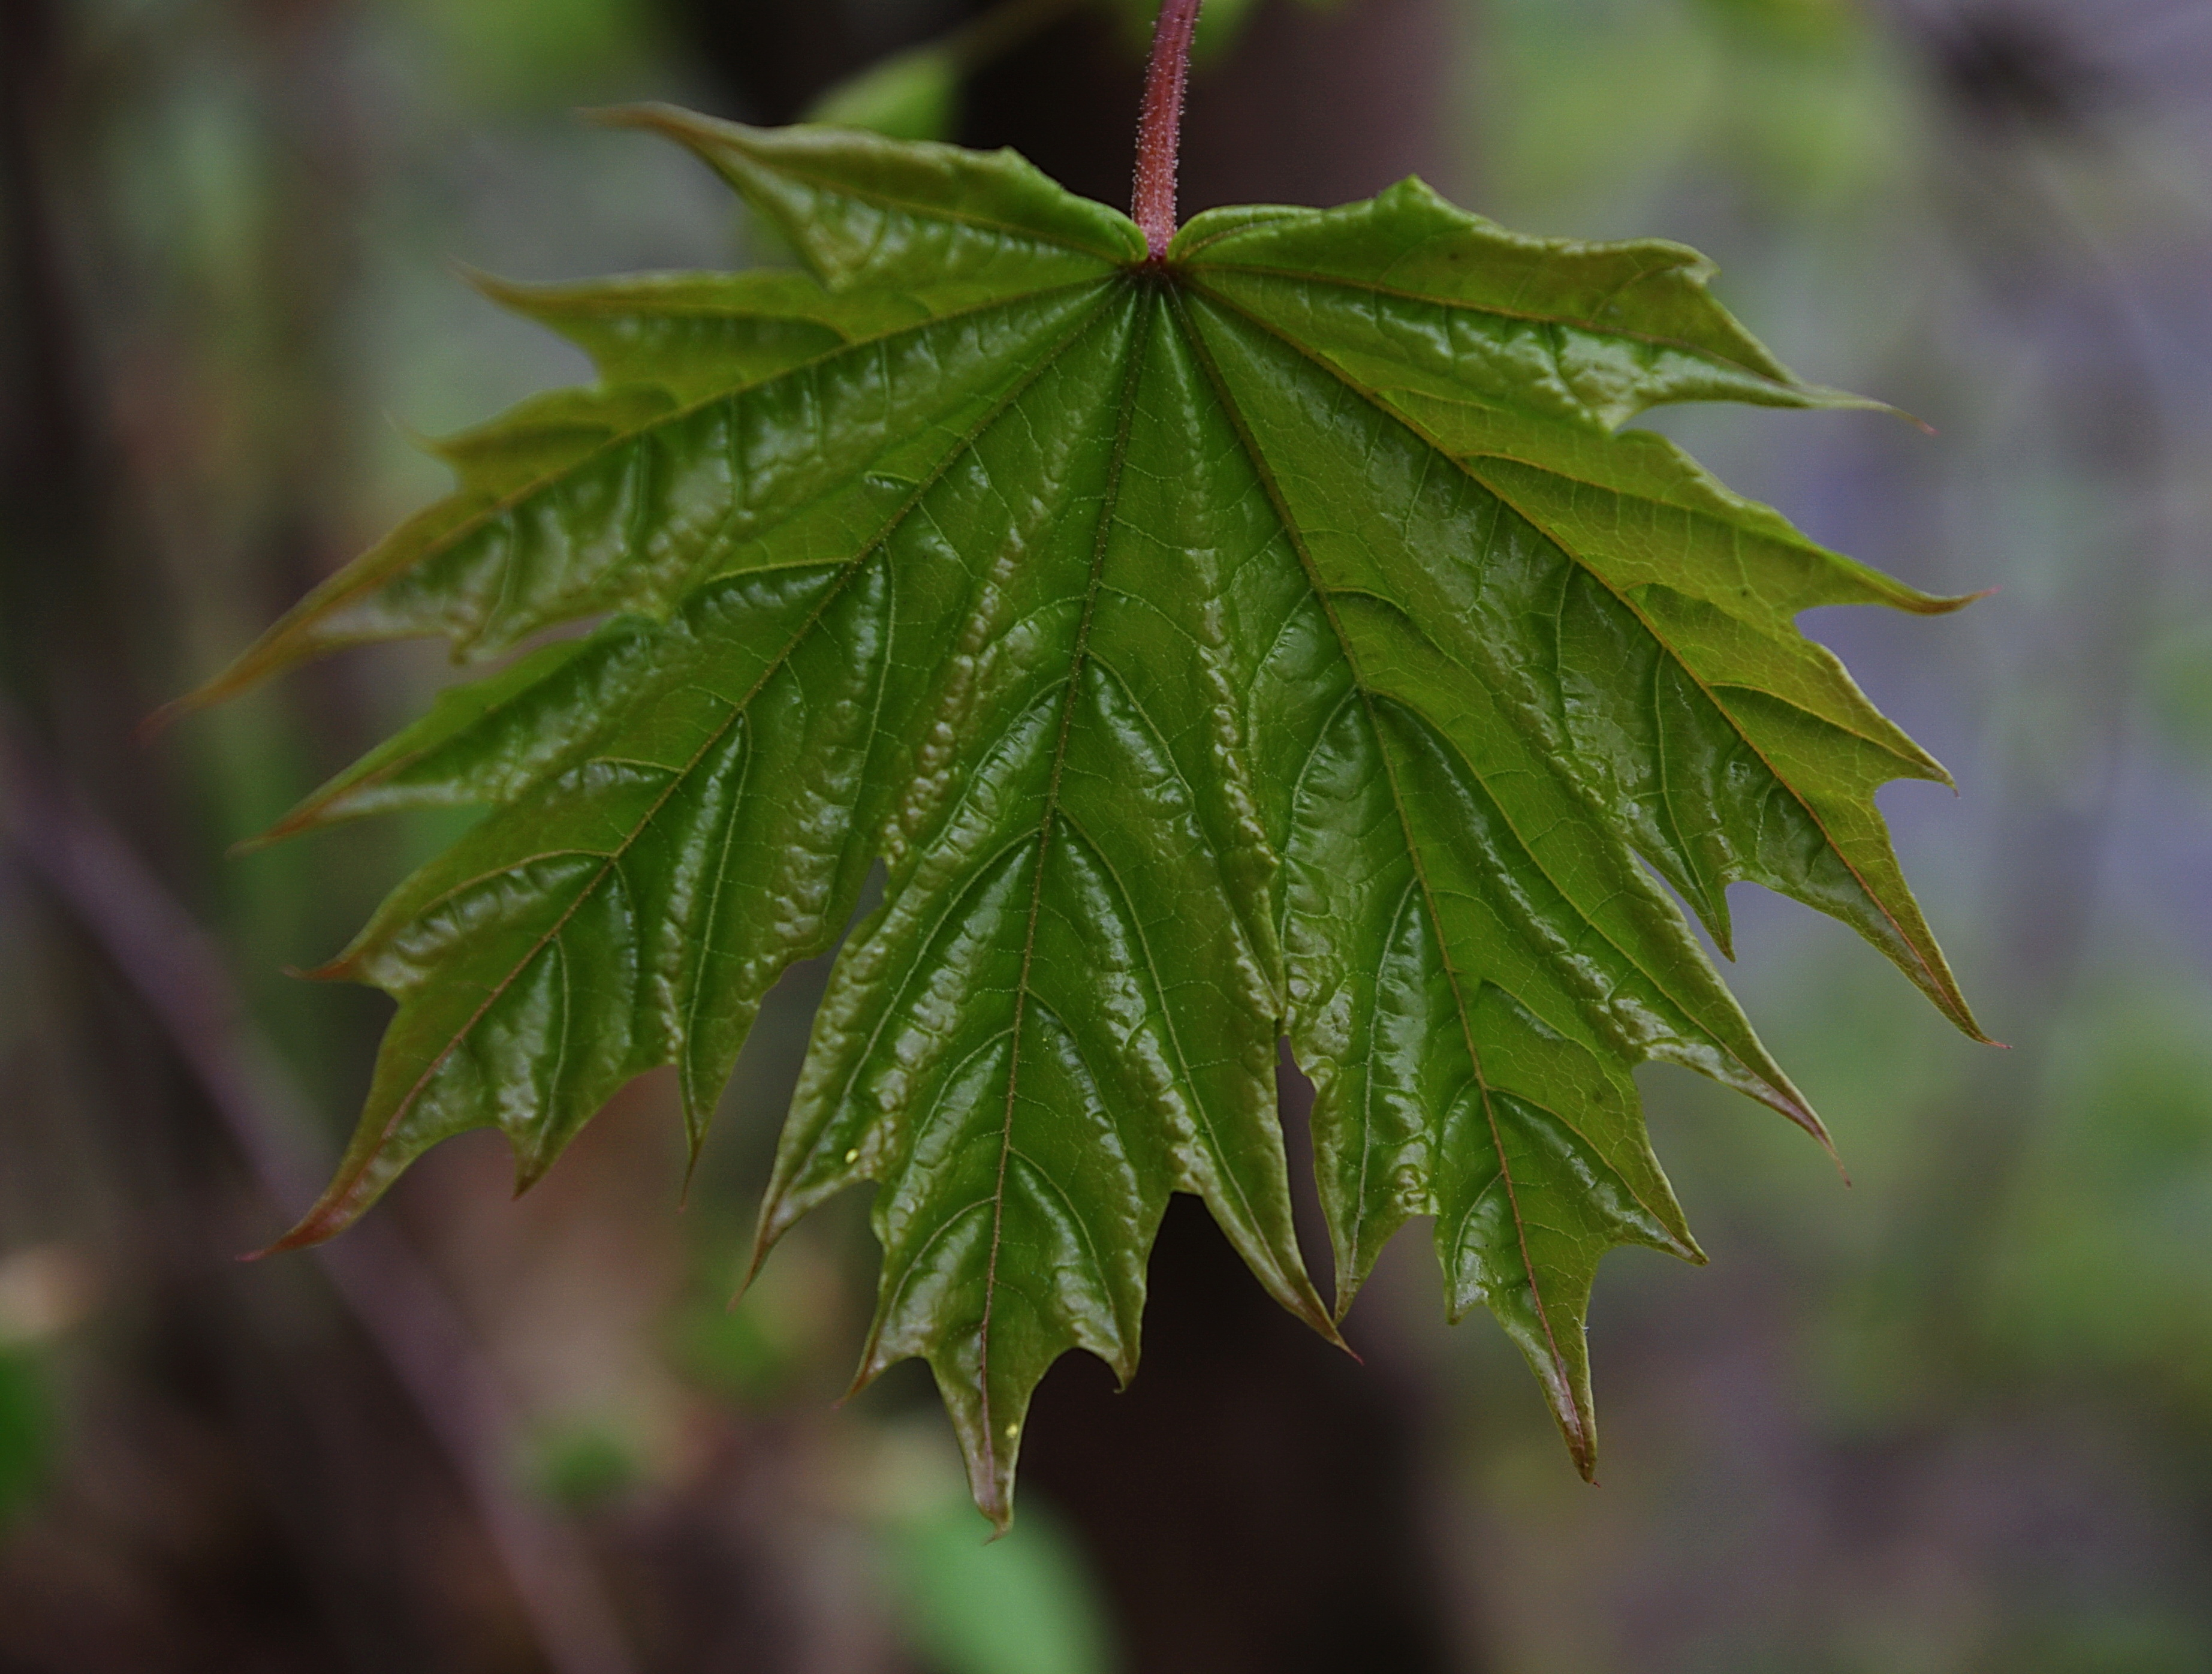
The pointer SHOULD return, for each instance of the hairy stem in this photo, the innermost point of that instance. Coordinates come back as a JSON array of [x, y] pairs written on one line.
[[1159, 128]]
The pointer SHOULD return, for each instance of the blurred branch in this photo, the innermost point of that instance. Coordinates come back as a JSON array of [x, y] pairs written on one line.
[[172, 966]]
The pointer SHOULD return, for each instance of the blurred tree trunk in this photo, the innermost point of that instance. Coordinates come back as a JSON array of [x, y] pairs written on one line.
[[247, 1486]]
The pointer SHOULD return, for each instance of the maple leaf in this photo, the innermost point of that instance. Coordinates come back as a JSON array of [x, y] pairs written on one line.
[[1282, 638]]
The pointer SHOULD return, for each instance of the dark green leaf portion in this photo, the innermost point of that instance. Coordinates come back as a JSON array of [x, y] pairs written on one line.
[[631, 907], [946, 228], [1733, 748], [1060, 1015], [1279, 641], [1406, 290]]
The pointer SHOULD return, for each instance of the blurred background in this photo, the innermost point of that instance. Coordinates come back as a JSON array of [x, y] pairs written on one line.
[[1957, 1416]]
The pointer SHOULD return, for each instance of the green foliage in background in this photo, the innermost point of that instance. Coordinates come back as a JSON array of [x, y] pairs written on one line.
[[908, 96], [1286, 640], [26, 1432], [505, 55], [1801, 104], [1022, 1605]]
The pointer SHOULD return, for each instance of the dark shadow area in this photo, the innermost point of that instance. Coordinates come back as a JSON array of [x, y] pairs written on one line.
[[1253, 1501]]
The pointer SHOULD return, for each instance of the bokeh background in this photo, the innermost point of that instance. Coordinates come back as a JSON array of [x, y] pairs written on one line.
[[1956, 1417]]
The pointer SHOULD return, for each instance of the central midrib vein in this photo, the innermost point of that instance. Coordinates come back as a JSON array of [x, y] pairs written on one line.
[[1139, 331]]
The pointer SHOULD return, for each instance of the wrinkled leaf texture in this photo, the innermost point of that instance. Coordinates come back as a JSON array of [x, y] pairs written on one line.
[[1283, 641]]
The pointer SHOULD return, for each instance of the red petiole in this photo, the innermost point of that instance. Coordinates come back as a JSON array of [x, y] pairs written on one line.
[[1159, 128]]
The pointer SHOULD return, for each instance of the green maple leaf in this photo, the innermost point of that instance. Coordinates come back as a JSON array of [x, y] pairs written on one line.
[[1281, 640]]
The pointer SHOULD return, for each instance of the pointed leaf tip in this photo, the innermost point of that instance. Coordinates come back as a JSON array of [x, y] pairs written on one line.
[[324, 1221]]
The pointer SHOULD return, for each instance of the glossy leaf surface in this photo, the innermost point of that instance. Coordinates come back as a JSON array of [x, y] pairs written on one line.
[[1283, 641]]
